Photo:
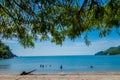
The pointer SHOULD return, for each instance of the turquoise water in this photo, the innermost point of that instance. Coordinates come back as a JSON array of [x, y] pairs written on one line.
[[70, 64]]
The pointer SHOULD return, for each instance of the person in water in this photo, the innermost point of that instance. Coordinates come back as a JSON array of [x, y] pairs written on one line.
[[91, 66], [61, 67]]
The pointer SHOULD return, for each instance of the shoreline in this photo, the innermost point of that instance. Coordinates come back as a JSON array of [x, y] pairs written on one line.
[[63, 76], [62, 73]]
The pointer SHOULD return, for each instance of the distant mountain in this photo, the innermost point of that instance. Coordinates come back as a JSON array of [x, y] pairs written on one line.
[[5, 52], [110, 51]]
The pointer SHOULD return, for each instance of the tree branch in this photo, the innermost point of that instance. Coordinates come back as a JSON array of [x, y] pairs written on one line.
[[7, 12], [31, 12], [84, 3], [93, 3]]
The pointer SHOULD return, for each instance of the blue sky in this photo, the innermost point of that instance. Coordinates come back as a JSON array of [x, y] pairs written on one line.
[[76, 47]]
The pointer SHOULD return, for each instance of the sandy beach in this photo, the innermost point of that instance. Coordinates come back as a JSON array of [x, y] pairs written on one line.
[[80, 76]]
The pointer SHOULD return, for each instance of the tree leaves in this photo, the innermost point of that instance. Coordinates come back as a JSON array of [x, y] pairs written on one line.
[[26, 19]]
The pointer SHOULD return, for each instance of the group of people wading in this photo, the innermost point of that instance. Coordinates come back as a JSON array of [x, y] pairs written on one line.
[[41, 66]]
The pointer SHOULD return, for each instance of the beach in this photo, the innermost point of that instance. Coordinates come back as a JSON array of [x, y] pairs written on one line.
[[76, 76]]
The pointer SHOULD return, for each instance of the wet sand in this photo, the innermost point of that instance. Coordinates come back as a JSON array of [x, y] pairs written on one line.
[[77, 76]]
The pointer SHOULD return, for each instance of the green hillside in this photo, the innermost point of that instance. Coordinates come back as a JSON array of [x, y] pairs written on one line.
[[110, 51], [5, 51]]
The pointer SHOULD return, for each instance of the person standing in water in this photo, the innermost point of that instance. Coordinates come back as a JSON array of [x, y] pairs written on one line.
[[61, 68]]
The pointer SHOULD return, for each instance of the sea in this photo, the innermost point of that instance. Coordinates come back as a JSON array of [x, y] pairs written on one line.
[[52, 64]]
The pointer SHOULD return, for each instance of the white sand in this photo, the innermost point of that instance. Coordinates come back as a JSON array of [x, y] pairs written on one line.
[[80, 76]]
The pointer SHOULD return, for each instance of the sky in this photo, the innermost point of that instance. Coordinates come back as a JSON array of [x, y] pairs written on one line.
[[76, 47]]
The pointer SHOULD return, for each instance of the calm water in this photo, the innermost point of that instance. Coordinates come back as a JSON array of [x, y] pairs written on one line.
[[71, 64]]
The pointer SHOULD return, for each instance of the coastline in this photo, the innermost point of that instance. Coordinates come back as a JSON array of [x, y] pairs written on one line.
[[63, 76]]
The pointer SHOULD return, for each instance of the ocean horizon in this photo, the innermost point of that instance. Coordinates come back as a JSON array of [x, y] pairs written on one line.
[[52, 64]]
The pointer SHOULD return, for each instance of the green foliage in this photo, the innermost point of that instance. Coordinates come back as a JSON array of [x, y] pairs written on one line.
[[110, 51], [29, 20], [5, 51]]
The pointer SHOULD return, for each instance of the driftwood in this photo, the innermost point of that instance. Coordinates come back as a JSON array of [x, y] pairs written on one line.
[[26, 73]]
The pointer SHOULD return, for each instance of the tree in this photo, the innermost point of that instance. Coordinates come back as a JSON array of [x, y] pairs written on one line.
[[28, 20], [5, 51]]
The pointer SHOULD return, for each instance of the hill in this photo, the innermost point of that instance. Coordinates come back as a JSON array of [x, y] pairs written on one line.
[[5, 52], [110, 51]]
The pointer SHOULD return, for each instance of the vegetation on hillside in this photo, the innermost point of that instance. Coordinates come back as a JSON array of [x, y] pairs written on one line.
[[5, 51], [110, 51]]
